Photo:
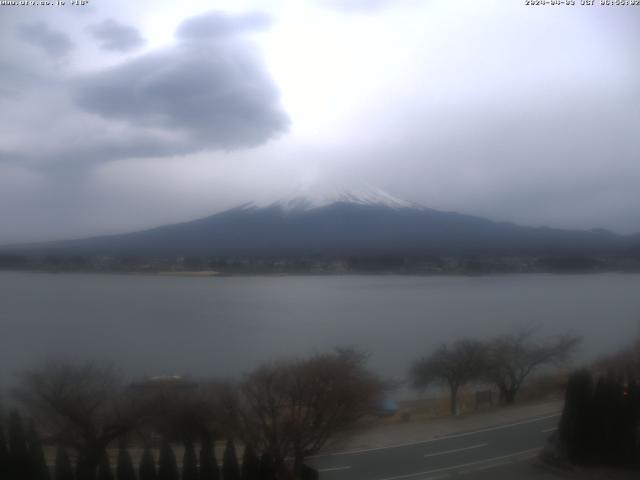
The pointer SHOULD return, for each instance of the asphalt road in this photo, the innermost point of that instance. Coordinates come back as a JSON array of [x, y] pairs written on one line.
[[470, 454]]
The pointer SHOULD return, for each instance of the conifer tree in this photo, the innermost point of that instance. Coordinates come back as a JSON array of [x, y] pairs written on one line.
[[599, 425], [576, 423], [267, 467], [250, 464], [85, 470], [63, 469], [230, 468], [632, 400], [18, 452], [147, 468], [208, 463], [167, 466], [125, 470], [104, 467], [4, 454], [620, 421], [600, 422], [38, 469], [189, 463], [308, 473]]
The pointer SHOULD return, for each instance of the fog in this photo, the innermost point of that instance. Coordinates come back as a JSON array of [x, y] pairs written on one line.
[[120, 116]]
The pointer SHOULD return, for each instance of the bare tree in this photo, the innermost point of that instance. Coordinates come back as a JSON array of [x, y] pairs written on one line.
[[292, 409], [512, 358], [453, 366], [83, 406], [186, 411]]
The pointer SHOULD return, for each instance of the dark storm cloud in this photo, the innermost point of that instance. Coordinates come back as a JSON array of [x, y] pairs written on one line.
[[100, 150], [113, 35], [218, 24], [215, 96], [53, 42], [201, 94]]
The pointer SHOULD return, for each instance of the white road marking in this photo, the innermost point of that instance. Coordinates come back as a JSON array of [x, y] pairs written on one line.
[[480, 445], [488, 466], [549, 430], [334, 469], [445, 437], [499, 427], [462, 465]]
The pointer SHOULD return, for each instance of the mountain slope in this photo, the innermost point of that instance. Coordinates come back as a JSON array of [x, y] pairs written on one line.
[[342, 224]]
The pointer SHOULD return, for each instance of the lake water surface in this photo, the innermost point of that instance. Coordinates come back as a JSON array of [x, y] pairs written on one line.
[[225, 326]]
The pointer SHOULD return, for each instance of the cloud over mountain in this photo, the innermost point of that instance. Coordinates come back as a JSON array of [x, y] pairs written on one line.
[[218, 24]]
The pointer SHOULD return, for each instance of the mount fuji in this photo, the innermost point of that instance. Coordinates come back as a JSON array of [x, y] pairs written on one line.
[[312, 196], [356, 222]]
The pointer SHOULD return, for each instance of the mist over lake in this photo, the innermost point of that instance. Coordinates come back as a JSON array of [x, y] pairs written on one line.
[[152, 325]]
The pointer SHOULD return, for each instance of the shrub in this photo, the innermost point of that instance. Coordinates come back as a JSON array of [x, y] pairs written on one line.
[[189, 463], [104, 467], [124, 470], [250, 464], [208, 463], [63, 469], [167, 466], [37, 463], [147, 467], [230, 468]]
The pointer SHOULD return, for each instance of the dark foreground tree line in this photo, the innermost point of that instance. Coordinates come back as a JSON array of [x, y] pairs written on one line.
[[505, 362], [600, 423], [23, 458], [280, 413]]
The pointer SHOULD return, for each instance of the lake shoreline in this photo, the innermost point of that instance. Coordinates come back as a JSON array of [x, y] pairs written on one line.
[[221, 274]]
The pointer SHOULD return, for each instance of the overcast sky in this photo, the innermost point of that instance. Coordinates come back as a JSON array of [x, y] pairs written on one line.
[[121, 115]]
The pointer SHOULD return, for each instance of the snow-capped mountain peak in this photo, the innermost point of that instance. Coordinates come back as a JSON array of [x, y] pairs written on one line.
[[308, 197]]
